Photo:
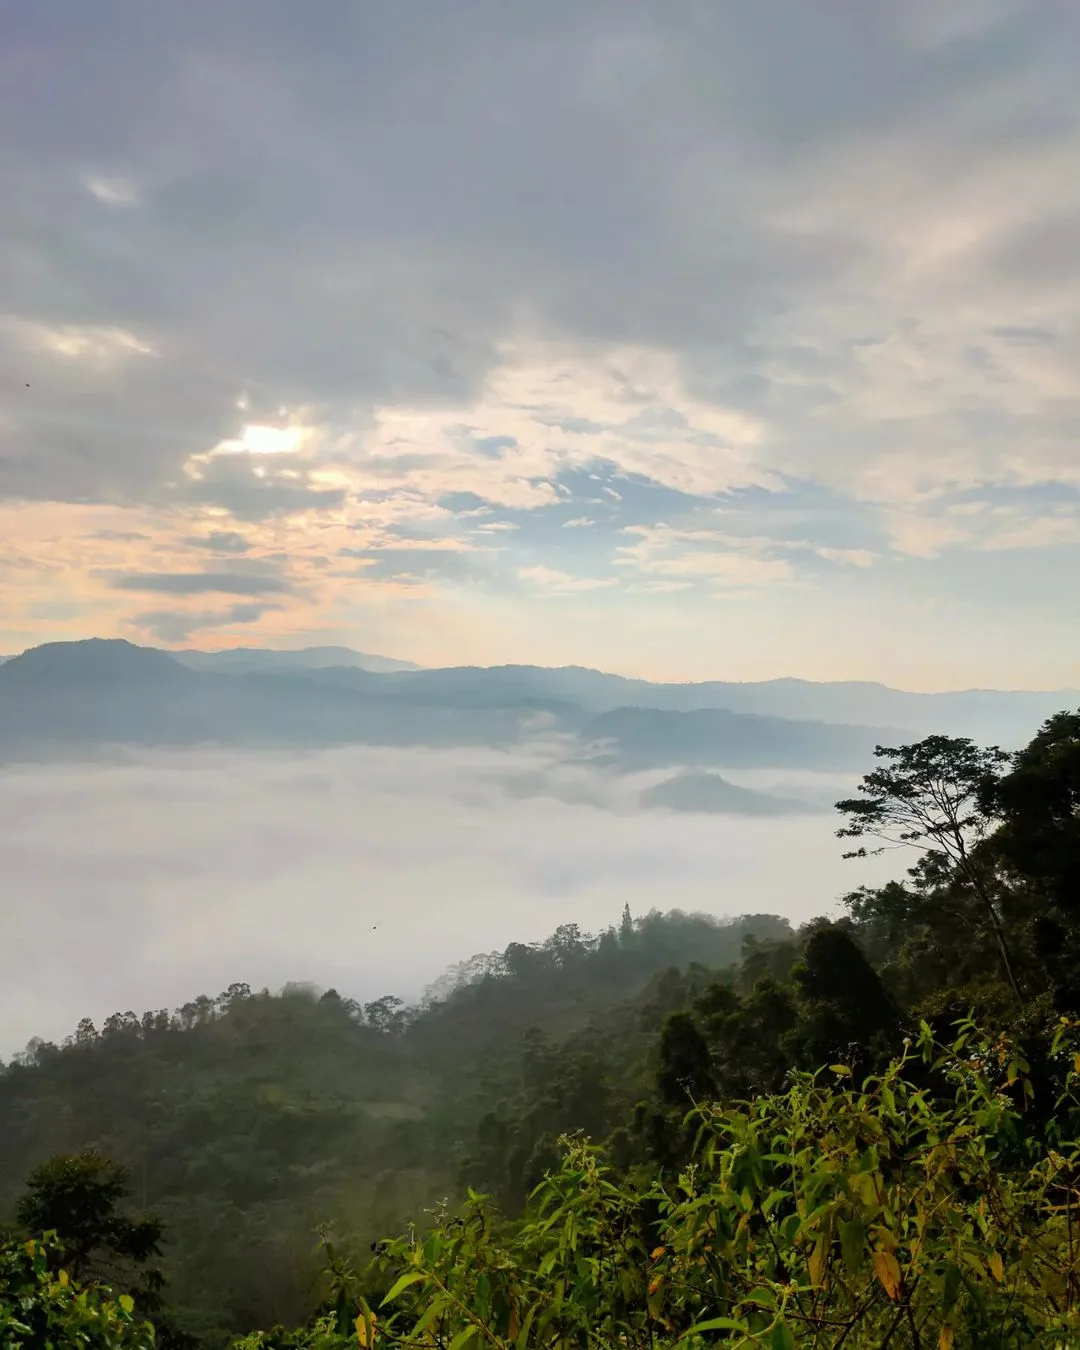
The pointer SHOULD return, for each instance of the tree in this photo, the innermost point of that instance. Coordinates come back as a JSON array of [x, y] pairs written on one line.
[[932, 796], [747, 1036], [385, 1014], [77, 1198], [1038, 803], [844, 1010], [685, 1063]]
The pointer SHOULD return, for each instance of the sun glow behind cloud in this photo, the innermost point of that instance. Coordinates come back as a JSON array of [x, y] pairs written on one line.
[[264, 440]]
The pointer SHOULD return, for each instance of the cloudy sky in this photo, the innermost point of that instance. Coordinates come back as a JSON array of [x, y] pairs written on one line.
[[685, 338]]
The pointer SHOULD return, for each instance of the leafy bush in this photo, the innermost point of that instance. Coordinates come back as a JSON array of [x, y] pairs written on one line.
[[909, 1211], [42, 1308]]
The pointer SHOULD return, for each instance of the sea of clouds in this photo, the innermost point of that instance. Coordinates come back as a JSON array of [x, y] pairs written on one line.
[[142, 881]]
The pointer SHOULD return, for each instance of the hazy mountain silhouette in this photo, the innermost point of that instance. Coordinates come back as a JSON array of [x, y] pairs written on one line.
[[984, 714], [710, 793], [643, 738], [68, 696], [86, 694], [97, 661], [263, 660]]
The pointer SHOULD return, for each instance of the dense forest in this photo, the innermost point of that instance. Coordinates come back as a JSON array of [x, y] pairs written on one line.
[[679, 1131]]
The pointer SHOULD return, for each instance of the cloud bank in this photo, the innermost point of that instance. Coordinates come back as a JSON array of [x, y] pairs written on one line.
[[144, 881]]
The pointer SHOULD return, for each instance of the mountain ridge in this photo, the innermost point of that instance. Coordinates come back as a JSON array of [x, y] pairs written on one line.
[[110, 692], [114, 691], [319, 658]]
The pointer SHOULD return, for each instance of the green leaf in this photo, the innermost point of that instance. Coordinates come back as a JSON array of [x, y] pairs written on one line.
[[433, 1311], [463, 1337], [951, 1287], [526, 1327], [127, 1303], [716, 1324], [852, 1240], [399, 1286], [774, 1198], [782, 1337]]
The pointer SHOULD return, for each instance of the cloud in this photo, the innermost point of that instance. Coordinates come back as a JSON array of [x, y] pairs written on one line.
[[553, 582], [145, 881], [200, 583], [112, 192], [220, 541], [268, 280], [173, 626], [694, 555], [852, 557], [239, 482], [982, 525]]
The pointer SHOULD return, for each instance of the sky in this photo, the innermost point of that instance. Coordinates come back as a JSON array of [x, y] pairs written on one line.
[[144, 882], [688, 339]]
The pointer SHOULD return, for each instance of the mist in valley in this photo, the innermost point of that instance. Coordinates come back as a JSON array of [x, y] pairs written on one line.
[[141, 879]]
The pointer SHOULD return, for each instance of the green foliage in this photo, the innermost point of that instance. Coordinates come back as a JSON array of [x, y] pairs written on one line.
[[76, 1198], [844, 1011], [42, 1308], [828, 1215], [685, 1063], [1038, 803]]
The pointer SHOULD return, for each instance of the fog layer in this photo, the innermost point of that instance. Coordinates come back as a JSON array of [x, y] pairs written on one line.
[[146, 880]]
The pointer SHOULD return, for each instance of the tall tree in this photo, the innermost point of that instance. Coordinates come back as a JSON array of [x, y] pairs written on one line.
[[934, 796]]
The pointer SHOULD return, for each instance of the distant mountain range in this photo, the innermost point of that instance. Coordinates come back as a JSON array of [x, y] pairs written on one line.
[[69, 698]]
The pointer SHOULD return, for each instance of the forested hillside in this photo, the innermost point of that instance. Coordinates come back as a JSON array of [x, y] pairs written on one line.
[[860, 1133], [248, 1118]]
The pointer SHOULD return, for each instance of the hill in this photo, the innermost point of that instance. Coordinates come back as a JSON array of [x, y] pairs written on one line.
[[984, 714], [710, 794], [249, 1117], [94, 662]]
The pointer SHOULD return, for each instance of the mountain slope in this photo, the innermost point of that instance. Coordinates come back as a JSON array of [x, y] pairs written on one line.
[[260, 660], [97, 661], [709, 794], [644, 738]]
